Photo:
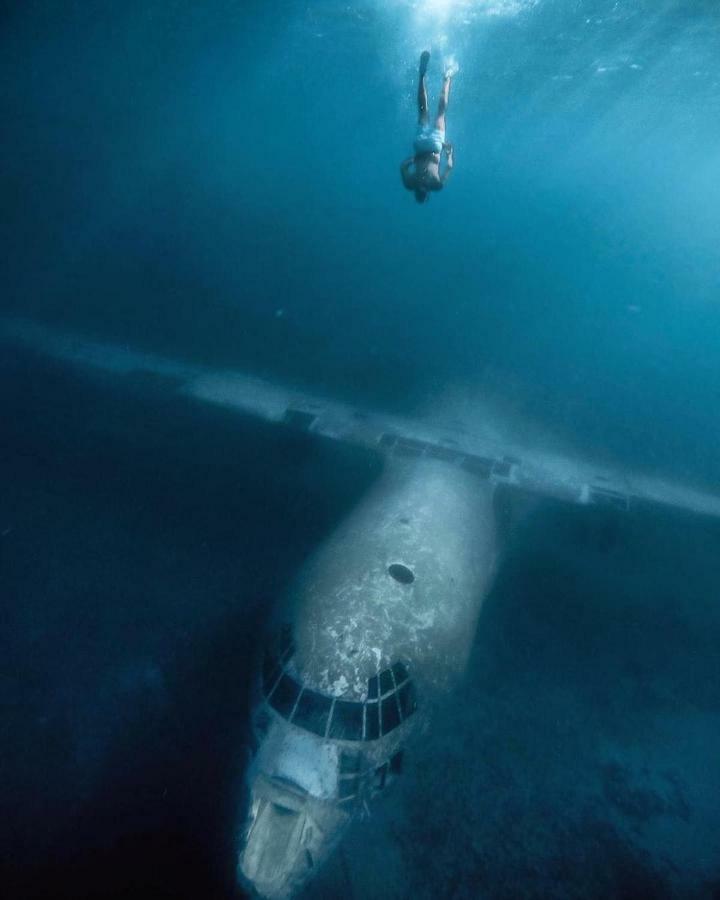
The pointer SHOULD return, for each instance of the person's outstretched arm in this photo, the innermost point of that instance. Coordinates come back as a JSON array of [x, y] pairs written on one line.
[[407, 179], [449, 162]]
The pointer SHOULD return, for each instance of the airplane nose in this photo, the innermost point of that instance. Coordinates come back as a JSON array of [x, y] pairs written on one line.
[[274, 859]]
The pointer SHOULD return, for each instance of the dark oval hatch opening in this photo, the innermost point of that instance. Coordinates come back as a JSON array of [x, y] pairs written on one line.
[[401, 573]]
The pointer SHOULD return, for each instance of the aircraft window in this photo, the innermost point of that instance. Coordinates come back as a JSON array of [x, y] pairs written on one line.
[[386, 682], [349, 763], [390, 714], [391, 698], [373, 688], [443, 453], [312, 712], [284, 696], [406, 698], [372, 724], [347, 721], [478, 464], [284, 810], [347, 787], [400, 673]]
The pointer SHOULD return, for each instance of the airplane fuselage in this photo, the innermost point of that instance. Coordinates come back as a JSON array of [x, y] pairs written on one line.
[[378, 627]]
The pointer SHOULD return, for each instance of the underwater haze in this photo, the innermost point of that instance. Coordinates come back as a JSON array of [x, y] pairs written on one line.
[[219, 182], [223, 180]]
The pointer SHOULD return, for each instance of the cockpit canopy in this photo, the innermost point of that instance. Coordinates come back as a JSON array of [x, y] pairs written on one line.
[[390, 700]]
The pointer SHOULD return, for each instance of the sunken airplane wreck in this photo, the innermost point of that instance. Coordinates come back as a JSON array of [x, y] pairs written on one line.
[[379, 622]]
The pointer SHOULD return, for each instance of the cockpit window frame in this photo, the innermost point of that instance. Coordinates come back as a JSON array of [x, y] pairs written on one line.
[[391, 689]]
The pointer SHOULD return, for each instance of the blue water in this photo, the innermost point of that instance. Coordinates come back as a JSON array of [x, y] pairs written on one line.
[[220, 182]]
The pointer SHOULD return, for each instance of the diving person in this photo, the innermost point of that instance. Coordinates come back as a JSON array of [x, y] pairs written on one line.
[[429, 142]]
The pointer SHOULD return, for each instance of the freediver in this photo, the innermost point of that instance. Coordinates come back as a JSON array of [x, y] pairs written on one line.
[[429, 142]]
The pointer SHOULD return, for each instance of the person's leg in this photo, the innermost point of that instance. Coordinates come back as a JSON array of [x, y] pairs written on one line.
[[422, 97], [443, 103]]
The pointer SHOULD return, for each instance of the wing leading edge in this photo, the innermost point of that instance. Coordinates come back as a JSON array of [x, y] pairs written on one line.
[[529, 469]]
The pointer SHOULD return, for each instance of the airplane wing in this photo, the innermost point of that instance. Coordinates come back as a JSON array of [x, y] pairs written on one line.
[[532, 470]]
